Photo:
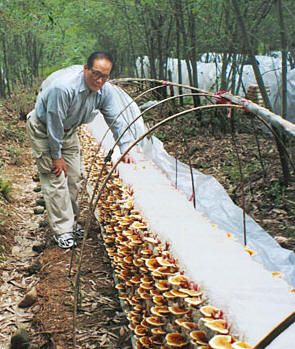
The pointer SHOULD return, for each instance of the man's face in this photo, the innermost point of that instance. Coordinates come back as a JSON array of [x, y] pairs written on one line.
[[96, 76]]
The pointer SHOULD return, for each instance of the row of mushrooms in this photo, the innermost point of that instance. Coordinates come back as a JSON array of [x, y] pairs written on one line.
[[164, 308]]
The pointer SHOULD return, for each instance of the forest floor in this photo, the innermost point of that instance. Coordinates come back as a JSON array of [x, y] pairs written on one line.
[[29, 261]]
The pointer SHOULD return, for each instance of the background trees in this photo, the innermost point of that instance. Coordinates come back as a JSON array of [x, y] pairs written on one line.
[[37, 37]]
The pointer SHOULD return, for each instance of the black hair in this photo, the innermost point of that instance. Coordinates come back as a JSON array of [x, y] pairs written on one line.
[[99, 55]]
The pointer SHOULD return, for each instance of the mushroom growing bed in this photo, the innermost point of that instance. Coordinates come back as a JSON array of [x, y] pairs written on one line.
[[184, 282]]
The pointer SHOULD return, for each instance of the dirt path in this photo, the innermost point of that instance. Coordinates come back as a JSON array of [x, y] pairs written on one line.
[[30, 262]]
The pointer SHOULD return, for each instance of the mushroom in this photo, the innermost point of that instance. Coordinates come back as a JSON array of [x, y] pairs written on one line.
[[178, 280], [241, 345], [191, 292], [159, 310], [176, 310], [250, 251], [188, 325], [145, 342], [176, 340], [152, 264], [165, 262], [199, 337], [140, 330], [162, 285], [155, 321], [194, 301], [221, 342], [159, 300], [220, 326], [158, 330], [178, 294], [209, 311]]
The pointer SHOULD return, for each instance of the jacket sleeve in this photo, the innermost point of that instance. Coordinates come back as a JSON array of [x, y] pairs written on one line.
[[56, 111], [111, 106]]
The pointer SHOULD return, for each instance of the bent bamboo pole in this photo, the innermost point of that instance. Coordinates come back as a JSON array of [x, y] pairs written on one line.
[[276, 331]]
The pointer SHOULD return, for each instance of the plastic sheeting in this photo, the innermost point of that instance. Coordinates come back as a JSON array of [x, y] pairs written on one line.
[[209, 78], [276, 96]]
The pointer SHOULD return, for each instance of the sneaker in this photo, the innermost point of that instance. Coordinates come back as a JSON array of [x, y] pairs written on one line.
[[65, 240], [79, 231]]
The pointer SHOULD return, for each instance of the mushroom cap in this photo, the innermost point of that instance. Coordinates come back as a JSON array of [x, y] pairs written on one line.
[[151, 240], [178, 294], [158, 330], [145, 342], [221, 342], [189, 325], [162, 285], [178, 280], [209, 311], [219, 326], [136, 279], [169, 271], [159, 300], [179, 322], [155, 321], [194, 301], [152, 264], [159, 310], [199, 337], [138, 262], [250, 251], [146, 252], [138, 225], [277, 274], [190, 292], [120, 286], [140, 330], [176, 310], [128, 259], [154, 292], [165, 262], [147, 285], [169, 295], [146, 278], [241, 345], [176, 340]]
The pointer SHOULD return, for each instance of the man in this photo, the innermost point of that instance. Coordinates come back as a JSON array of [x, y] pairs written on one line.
[[65, 102]]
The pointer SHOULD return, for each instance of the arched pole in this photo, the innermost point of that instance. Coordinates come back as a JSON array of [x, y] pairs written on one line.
[[91, 211], [163, 82]]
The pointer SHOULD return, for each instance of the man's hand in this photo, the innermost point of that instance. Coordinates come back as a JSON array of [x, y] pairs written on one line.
[[59, 165], [128, 159]]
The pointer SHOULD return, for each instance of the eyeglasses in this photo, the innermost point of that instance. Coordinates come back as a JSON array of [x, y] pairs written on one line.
[[99, 75]]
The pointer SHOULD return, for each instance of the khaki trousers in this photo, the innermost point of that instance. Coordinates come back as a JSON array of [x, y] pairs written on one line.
[[60, 193]]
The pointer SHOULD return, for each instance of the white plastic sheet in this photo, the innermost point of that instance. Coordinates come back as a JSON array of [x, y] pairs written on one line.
[[213, 200]]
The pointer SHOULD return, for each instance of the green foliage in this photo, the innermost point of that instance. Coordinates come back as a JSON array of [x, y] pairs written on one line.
[[11, 132], [5, 188], [277, 191], [15, 155]]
